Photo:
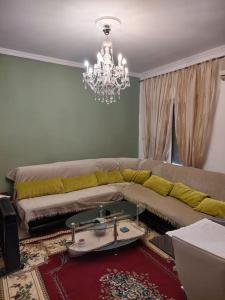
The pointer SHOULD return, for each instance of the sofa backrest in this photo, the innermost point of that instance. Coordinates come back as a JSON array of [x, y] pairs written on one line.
[[70, 168], [148, 164], [211, 183]]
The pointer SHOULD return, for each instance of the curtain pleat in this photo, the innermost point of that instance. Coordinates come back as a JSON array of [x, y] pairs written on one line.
[[195, 104], [158, 109]]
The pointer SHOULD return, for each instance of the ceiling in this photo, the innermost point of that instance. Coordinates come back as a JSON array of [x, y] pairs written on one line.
[[153, 32]]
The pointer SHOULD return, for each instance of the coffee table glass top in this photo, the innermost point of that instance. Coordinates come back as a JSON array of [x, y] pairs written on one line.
[[119, 209]]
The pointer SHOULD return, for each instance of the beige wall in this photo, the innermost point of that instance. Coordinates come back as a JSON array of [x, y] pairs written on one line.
[[216, 155]]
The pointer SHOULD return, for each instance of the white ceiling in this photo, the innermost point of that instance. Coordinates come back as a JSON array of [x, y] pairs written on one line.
[[153, 32]]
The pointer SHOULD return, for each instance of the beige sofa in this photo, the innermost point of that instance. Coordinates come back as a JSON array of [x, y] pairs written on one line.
[[167, 208]]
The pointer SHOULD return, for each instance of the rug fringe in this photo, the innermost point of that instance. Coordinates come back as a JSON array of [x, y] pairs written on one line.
[[2, 297], [49, 236]]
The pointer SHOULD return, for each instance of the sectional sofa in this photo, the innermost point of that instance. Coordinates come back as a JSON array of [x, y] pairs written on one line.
[[35, 212]]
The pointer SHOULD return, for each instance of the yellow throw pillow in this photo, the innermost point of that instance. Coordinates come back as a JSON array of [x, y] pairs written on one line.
[[129, 174], [37, 188], [102, 177], [114, 177], [212, 207], [187, 195], [79, 182], [141, 176], [137, 176], [159, 185]]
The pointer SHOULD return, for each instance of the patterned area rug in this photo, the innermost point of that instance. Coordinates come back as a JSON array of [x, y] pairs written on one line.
[[136, 272]]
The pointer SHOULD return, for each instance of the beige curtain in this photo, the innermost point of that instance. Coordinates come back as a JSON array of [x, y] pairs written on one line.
[[195, 102], [157, 116]]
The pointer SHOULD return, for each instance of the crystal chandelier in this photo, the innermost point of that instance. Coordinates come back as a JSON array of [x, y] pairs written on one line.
[[106, 78]]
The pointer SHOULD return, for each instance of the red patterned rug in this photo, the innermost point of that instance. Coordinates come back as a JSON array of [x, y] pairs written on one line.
[[135, 272]]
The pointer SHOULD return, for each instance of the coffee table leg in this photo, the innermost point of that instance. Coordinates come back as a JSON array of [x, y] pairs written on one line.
[[115, 233], [137, 213], [100, 212], [73, 232]]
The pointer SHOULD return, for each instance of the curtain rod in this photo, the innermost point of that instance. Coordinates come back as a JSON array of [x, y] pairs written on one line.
[[220, 57]]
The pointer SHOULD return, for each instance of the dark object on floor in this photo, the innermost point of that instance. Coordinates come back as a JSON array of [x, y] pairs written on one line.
[[9, 240], [48, 223], [156, 223], [164, 242]]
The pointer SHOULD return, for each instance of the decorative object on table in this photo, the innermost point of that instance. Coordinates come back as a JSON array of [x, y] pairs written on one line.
[[124, 229], [100, 226], [105, 78], [81, 242]]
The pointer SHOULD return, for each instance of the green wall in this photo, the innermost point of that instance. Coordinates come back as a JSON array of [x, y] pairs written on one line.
[[46, 115]]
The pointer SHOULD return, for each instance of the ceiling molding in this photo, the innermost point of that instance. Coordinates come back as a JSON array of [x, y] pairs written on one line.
[[133, 74], [49, 59], [186, 62], [41, 57]]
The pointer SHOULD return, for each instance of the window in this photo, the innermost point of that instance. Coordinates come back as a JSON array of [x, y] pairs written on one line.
[[174, 148]]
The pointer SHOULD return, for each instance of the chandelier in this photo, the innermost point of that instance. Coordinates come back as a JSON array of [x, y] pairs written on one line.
[[106, 78]]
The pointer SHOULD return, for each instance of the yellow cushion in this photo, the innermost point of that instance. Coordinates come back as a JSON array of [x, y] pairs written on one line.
[[128, 174], [159, 185], [187, 195], [141, 176], [79, 182], [37, 188], [102, 177], [212, 207], [137, 176], [114, 176]]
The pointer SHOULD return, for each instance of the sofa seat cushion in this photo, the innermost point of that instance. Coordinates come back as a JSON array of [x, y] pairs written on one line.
[[50, 205], [167, 208]]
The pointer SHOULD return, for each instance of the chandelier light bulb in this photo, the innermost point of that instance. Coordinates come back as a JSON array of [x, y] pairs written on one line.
[[119, 57], [86, 63], [124, 61], [99, 57]]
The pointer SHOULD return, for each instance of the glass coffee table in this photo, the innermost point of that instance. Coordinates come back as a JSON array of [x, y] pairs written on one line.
[[106, 227]]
